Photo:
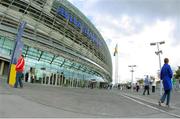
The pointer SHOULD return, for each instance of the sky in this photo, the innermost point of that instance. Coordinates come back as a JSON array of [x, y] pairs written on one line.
[[133, 25]]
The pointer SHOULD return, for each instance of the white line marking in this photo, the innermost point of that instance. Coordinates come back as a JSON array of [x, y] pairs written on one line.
[[174, 107], [151, 106]]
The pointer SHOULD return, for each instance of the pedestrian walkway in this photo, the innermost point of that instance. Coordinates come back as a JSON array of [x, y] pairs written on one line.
[[36, 100], [153, 99]]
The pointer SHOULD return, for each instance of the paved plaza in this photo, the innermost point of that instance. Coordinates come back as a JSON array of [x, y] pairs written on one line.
[[35, 100]]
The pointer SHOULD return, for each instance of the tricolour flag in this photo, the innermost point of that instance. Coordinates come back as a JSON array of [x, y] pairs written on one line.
[[116, 50]]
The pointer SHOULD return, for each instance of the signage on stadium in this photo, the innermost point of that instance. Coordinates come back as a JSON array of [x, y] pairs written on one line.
[[84, 29]]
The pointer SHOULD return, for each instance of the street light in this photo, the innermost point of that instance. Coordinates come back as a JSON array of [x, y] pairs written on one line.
[[132, 70], [158, 52]]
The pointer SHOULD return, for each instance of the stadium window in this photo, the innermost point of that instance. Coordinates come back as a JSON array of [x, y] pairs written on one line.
[[5, 3]]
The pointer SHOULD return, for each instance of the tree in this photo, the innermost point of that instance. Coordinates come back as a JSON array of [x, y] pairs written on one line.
[[140, 81], [177, 73]]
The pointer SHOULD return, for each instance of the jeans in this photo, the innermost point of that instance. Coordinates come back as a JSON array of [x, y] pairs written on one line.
[[166, 93], [19, 76], [153, 89], [146, 88]]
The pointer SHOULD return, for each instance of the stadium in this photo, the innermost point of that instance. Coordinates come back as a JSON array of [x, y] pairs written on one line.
[[61, 46]]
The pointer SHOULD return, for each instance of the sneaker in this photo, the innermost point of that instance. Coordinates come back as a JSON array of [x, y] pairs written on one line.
[[159, 103]]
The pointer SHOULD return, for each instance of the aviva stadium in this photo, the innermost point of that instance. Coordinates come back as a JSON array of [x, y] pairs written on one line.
[[61, 46]]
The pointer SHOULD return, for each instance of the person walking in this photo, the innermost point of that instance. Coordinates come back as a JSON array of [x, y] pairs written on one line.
[[146, 85], [166, 75], [137, 87], [153, 86], [19, 71]]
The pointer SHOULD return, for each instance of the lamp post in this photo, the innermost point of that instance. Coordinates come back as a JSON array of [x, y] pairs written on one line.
[[116, 80], [158, 52], [132, 70]]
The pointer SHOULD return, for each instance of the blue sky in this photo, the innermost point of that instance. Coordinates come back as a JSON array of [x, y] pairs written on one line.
[[134, 24]]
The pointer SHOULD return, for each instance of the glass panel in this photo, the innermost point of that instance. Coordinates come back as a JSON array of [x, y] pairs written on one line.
[[76, 66], [33, 53], [24, 50], [47, 57], [58, 61], [72, 70], [31, 57], [8, 44], [1, 41], [5, 51], [68, 63]]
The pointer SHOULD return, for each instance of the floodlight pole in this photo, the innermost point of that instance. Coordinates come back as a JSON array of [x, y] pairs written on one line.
[[158, 53], [132, 70]]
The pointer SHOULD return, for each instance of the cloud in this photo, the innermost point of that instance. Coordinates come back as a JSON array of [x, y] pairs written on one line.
[[148, 8], [130, 16], [133, 24]]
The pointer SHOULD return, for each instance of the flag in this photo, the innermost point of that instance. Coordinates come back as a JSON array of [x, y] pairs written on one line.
[[18, 44], [116, 50], [17, 51]]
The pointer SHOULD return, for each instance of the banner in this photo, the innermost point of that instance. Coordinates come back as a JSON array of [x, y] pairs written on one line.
[[17, 51]]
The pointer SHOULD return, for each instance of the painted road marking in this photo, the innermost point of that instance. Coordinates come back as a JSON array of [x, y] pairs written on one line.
[[172, 114], [174, 107]]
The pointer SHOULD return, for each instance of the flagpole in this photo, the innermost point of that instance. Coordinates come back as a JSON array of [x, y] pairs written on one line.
[[116, 64], [116, 68]]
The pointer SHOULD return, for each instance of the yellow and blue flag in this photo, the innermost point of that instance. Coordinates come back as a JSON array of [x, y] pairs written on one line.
[[116, 50]]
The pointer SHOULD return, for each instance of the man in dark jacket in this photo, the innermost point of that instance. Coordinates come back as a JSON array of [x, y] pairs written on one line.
[[19, 71], [166, 75]]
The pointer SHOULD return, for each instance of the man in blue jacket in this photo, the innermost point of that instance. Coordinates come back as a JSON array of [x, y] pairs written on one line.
[[166, 75]]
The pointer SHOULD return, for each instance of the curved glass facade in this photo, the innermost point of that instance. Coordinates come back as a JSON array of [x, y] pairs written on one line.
[[59, 41]]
